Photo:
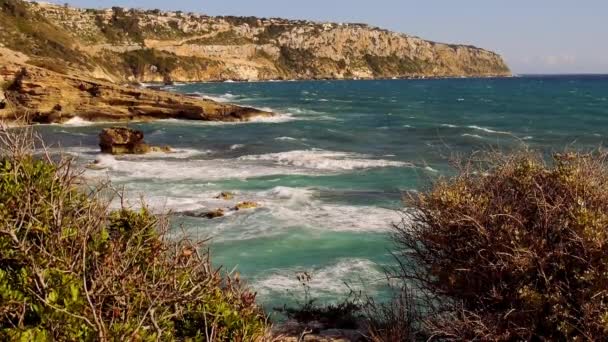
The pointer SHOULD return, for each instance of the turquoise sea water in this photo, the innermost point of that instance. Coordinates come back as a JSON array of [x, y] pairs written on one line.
[[330, 169]]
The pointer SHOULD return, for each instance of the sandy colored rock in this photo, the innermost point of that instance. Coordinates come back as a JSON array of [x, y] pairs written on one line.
[[246, 205], [227, 196], [162, 149], [49, 97], [122, 140]]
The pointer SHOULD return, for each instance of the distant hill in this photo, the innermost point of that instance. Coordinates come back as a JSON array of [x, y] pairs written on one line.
[[136, 45]]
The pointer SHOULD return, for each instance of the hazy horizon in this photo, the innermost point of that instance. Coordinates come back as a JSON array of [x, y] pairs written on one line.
[[546, 37]]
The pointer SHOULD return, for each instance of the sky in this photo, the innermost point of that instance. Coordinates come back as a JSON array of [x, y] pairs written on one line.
[[534, 36]]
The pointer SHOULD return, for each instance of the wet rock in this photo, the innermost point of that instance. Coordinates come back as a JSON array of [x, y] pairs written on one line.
[[163, 149], [246, 205], [227, 196], [214, 214], [122, 140]]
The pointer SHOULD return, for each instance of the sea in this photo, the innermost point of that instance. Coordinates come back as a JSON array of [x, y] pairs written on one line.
[[329, 172]]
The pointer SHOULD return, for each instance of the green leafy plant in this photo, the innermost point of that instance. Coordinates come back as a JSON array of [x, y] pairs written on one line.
[[74, 270]]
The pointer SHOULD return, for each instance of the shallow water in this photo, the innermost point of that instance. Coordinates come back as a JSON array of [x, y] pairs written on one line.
[[330, 170]]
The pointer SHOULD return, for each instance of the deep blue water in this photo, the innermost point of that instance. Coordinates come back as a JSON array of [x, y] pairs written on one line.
[[330, 170]]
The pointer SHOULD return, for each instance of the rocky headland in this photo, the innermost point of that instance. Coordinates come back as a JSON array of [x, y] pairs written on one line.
[[59, 62], [37, 95]]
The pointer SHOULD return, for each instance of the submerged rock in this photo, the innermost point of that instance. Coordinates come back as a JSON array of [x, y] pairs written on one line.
[[163, 149], [217, 213], [214, 214], [123, 140], [246, 205]]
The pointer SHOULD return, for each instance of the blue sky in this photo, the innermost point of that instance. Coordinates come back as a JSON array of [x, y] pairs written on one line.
[[535, 36]]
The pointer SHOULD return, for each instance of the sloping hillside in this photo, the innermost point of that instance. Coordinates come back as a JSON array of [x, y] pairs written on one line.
[[135, 45]]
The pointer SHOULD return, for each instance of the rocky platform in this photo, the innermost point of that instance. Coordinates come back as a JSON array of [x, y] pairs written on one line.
[[39, 95]]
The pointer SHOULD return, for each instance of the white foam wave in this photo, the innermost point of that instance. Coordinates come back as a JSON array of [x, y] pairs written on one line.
[[286, 138], [325, 160], [327, 281], [277, 118], [280, 208], [236, 147], [487, 130], [78, 122], [472, 136], [448, 125], [143, 168], [106, 161]]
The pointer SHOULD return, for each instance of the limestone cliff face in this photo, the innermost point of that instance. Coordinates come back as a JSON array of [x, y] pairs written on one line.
[[134, 45]]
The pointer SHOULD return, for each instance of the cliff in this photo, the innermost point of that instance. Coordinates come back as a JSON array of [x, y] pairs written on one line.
[[47, 77], [135, 45]]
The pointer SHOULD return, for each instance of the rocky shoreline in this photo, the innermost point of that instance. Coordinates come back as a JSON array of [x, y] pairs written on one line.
[[35, 95]]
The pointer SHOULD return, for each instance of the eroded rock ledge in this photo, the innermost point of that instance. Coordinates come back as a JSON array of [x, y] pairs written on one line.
[[43, 96]]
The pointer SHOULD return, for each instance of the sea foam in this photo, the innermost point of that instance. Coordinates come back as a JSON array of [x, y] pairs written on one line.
[[328, 282], [325, 160]]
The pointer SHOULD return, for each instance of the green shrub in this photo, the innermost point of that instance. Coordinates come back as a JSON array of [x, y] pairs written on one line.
[[73, 270], [122, 26], [513, 248]]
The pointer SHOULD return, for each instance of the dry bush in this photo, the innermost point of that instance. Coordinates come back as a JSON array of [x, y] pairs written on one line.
[[513, 248], [71, 269], [394, 321]]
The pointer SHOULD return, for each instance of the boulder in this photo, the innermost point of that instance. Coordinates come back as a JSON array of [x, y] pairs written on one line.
[[123, 140], [245, 206]]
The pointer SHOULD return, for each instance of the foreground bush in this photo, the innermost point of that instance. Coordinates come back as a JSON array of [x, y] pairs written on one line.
[[513, 248], [73, 270]]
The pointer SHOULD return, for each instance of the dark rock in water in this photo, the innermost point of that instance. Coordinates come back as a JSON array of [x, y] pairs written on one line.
[[123, 140], [206, 214], [214, 214]]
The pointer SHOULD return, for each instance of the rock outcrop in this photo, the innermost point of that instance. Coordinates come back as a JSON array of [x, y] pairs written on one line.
[[43, 96], [123, 140], [136, 45]]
